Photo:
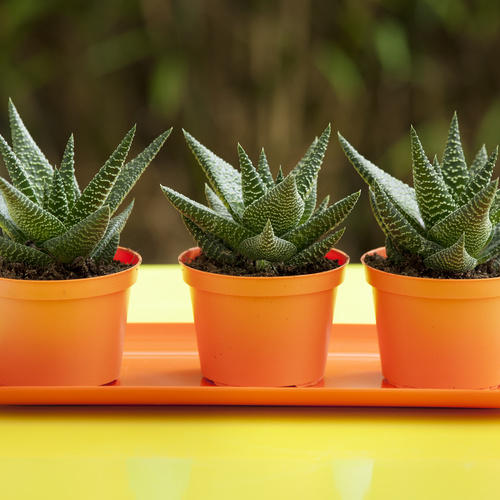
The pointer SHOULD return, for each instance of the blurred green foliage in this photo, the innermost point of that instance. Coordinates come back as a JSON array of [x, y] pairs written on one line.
[[262, 73]]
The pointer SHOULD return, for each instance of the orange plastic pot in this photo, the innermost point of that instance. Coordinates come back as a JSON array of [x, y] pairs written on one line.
[[437, 333], [263, 332], [67, 332]]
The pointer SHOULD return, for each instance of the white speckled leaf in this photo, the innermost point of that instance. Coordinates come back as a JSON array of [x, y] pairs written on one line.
[[252, 186], [95, 194], [282, 205], [453, 258], [81, 239], [227, 230], [471, 219], [433, 197], [266, 246], [224, 179], [37, 167], [33, 221], [453, 166]]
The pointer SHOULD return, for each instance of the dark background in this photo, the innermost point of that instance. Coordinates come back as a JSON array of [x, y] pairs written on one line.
[[267, 74]]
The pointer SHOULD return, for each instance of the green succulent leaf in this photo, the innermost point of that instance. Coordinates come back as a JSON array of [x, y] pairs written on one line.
[[215, 204], [225, 229], [57, 203], [266, 246], [433, 197], [115, 227], [401, 195], [280, 177], [455, 172], [306, 234], [17, 172], [108, 253], [95, 194], [224, 179], [492, 249], [210, 245], [453, 258], [471, 220], [12, 251], [306, 172], [67, 173], [131, 171], [479, 161], [32, 220], [264, 171], [318, 250], [321, 207], [310, 203], [252, 186], [37, 167], [398, 228], [282, 205], [480, 179], [81, 239]]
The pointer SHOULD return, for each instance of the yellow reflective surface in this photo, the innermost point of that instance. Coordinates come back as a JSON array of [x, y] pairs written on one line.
[[150, 453]]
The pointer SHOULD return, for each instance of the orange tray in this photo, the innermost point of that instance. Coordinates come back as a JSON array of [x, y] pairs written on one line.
[[160, 367]]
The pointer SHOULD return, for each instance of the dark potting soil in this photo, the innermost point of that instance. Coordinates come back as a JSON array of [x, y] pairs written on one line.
[[247, 267], [414, 267], [80, 268]]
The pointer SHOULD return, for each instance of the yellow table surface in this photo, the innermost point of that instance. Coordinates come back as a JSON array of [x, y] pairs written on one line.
[[150, 453]]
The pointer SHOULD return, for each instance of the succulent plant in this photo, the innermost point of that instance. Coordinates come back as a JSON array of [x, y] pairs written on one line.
[[449, 218], [44, 216], [266, 220]]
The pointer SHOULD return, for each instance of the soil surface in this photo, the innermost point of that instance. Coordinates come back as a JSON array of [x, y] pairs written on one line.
[[414, 267], [80, 268], [246, 267]]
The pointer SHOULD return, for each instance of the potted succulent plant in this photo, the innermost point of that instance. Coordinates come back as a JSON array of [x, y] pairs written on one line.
[[262, 326], [64, 282], [435, 284]]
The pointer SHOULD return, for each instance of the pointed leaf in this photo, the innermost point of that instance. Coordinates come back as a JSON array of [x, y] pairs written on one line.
[[282, 205], [321, 207], [17, 173], [95, 194], [492, 249], [318, 250], [453, 258], [266, 246], [433, 197], [132, 170], [280, 177], [399, 193], [227, 230], [12, 251], [215, 204], [306, 234], [33, 221], [264, 171], [398, 228], [252, 186], [81, 239], [209, 244], [115, 227], [310, 203], [479, 161], [480, 179], [471, 219], [224, 179], [454, 167], [38, 169], [57, 203], [307, 170], [109, 251], [67, 172]]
